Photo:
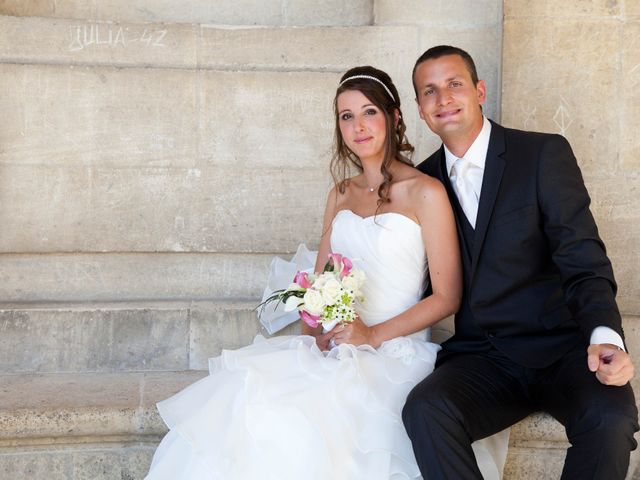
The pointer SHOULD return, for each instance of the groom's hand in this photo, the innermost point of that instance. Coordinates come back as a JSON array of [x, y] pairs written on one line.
[[611, 365]]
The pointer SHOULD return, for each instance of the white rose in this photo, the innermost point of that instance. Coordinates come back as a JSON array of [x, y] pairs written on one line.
[[292, 303], [313, 302], [351, 283], [358, 276], [322, 279], [331, 291]]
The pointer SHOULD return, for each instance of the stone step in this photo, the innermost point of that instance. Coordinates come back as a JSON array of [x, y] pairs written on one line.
[[128, 336], [99, 426], [206, 47], [239, 12], [121, 337], [113, 277], [106, 424]]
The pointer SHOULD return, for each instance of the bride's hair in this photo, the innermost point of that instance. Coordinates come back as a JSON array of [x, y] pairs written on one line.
[[377, 86]]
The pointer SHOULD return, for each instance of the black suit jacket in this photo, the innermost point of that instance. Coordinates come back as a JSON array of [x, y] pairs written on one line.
[[538, 280]]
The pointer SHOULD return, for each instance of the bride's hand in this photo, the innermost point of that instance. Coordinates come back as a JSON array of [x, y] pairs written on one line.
[[322, 340], [355, 333]]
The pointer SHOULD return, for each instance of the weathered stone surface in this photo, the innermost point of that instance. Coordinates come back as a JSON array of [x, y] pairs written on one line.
[[539, 427], [261, 120], [570, 8], [631, 8], [390, 48], [218, 326], [128, 277], [87, 338], [544, 91], [124, 336], [36, 466], [533, 463], [614, 206], [62, 41], [106, 462], [85, 408], [328, 12], [124, 463], [241, 12], [75, 42], [631, 325], [629, 79], [457, 13], [213, 209], [97, 116], [189, 11]]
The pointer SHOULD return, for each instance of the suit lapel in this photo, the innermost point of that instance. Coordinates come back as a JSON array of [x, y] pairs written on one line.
[[493, 169]]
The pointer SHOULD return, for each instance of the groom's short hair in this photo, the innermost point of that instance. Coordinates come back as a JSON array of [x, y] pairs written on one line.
[[441, 51]]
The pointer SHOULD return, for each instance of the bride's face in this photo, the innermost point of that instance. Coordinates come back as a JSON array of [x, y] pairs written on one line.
[[362, 125]]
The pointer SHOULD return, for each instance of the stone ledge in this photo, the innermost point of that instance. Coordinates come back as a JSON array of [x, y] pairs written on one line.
[[111, 461], [61, 407], [90, 407], [132, 277], [122, 336], [85, 408], [41, 40], [239, 12]]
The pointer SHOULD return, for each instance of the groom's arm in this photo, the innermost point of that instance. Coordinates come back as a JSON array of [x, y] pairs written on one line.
[[580, 256], [576, 248]]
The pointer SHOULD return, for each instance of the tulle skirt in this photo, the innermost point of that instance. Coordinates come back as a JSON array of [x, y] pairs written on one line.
[[281, 409]]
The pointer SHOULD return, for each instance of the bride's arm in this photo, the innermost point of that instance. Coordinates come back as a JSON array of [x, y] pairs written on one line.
[[324, 249], [443, 254]]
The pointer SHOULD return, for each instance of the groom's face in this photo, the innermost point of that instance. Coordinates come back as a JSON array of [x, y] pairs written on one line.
[[448, 101]]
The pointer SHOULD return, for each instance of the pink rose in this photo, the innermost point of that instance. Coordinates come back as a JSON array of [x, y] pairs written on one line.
[[302, 279], [311, 320]]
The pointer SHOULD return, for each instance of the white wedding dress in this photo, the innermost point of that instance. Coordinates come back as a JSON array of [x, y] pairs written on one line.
[[280, 409]]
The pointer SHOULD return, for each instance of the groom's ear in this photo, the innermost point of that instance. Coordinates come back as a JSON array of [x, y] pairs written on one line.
[[481, 89]]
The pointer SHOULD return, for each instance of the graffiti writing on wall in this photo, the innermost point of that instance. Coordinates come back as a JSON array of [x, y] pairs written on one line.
[[101, 35]]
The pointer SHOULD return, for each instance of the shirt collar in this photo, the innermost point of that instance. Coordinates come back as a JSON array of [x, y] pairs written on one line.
[[477, 152]]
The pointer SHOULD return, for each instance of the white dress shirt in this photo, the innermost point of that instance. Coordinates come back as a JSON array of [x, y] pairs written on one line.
[[476, 156], [473, 171]]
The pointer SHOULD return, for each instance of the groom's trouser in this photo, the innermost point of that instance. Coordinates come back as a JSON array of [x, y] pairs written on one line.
[[472, 396]]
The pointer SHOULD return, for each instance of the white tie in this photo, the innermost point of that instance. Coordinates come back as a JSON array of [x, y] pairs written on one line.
[[462, 185]]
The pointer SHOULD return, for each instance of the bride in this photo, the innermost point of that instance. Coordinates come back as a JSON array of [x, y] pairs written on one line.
[[290, 408]]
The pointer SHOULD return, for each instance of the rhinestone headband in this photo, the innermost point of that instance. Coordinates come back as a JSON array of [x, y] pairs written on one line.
[[369, 77]]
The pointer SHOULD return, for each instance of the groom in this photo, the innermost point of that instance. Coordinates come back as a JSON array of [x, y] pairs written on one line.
[[538, 328]]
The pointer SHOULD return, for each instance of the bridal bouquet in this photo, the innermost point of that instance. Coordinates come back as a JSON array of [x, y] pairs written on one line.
[[324, 299]]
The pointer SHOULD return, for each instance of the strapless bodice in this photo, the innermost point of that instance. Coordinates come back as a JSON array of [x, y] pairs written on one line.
[[389, 249]]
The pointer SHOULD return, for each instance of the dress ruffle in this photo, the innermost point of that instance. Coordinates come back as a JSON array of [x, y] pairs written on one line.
[[290, 411]]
